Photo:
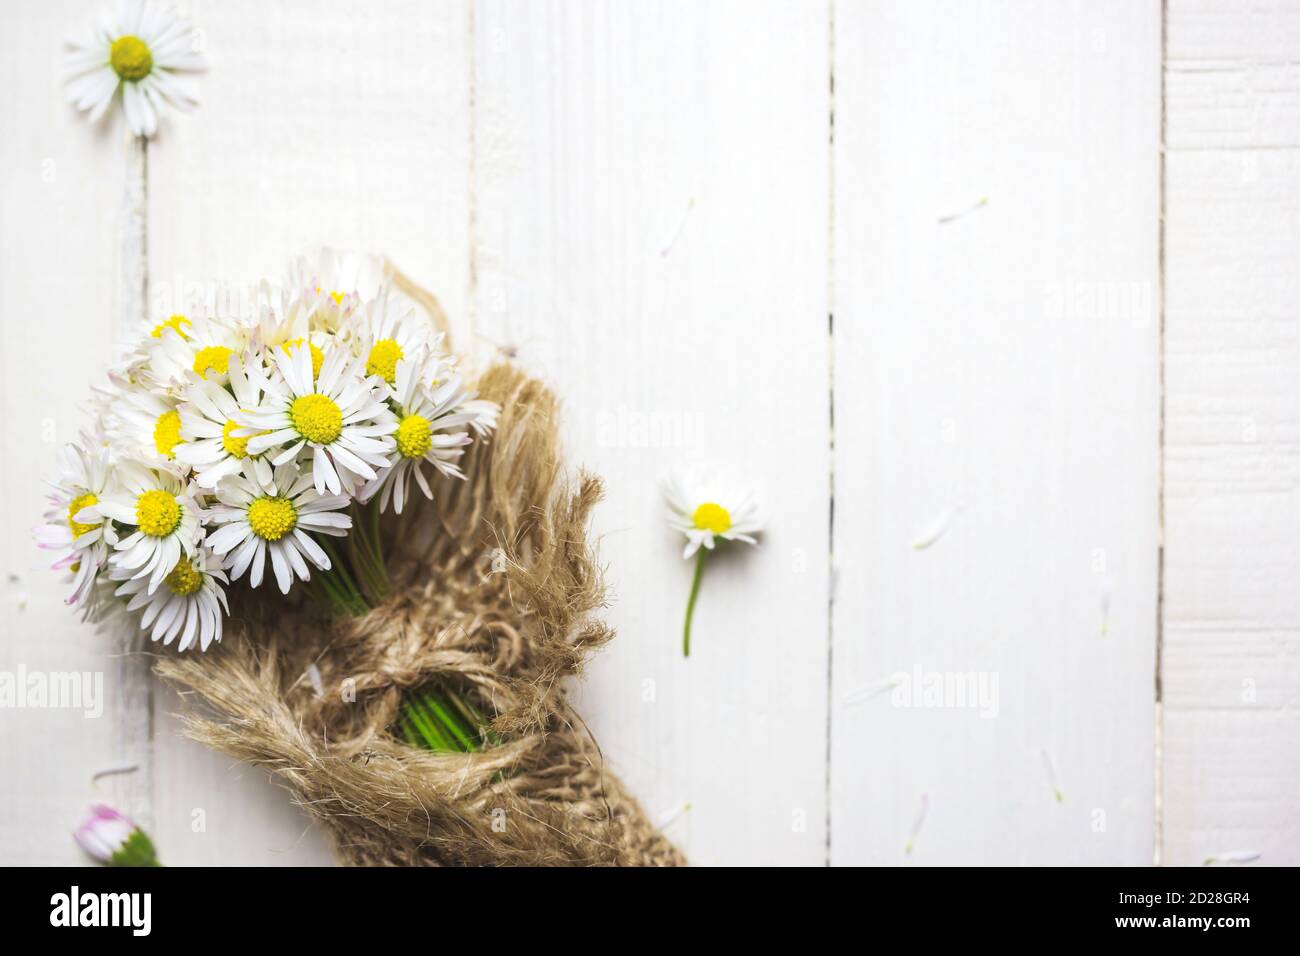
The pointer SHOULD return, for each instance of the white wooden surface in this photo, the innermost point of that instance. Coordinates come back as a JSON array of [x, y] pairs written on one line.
[[645, 203], [652, 230], [1232, 606], [982, 371]]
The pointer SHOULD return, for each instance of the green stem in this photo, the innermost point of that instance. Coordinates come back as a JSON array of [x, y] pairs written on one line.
[[356, 552], [428, 729], [365, 551], [451, 723], [690, 604], [473, 719], [375, 547], [345, 582], [324, 584]]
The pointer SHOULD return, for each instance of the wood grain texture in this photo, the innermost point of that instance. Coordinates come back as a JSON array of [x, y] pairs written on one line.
[[1232, 610], [62, 298], [336, 124], [996, 393], [651, 184]]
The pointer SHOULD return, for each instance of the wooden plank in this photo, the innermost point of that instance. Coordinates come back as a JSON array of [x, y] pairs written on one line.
[[62, 297], [341, 125], [996, 410], [1232, 614], [652, 229]]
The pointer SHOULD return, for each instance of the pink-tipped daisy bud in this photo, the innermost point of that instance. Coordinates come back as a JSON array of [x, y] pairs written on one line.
[[114, 840]]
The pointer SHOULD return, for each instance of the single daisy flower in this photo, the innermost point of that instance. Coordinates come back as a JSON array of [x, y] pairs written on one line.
[[199, 347], [288, 329], [430, 428], [141, 48], [392, 332], [160, 506], [144, 422], [279, 520], [212, 440], [339, 421], [190, 605], [334, 276], [83, 536], [331, 288], [706, 510]]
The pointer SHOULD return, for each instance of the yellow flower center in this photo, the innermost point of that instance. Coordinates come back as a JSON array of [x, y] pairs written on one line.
[[130, 58], [214, 358], [414, 436], [317, 356], [174, 323], [711, 516], [317, 418], [234, 446], [184, 579], [383, 359], [74, 506], [157, 513], [272, 518], [167, 433]]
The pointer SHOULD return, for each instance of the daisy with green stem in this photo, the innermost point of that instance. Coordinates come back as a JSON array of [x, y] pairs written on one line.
[[707, 510]]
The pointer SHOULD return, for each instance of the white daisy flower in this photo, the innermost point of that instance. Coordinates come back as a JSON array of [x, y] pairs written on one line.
[[331, 288], [161, 507], [83, 537], [431, 428], [705, 509], [142, 48], [392, 331], [288, 327], [257, 519], [190, 606], [212, 441], [340, 421], [143, 422], [337, 275], [181, 348]]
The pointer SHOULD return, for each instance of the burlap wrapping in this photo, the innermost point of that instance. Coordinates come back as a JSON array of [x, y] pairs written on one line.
[[495, 586]]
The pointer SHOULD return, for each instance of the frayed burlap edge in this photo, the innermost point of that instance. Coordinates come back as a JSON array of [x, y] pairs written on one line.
[[495, 589]]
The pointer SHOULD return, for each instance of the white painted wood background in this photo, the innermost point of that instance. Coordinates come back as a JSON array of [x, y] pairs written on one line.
[[1039, 257]]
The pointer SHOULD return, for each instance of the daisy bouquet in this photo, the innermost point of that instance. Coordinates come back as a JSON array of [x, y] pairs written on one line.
[[382, 561], [259, 449]]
